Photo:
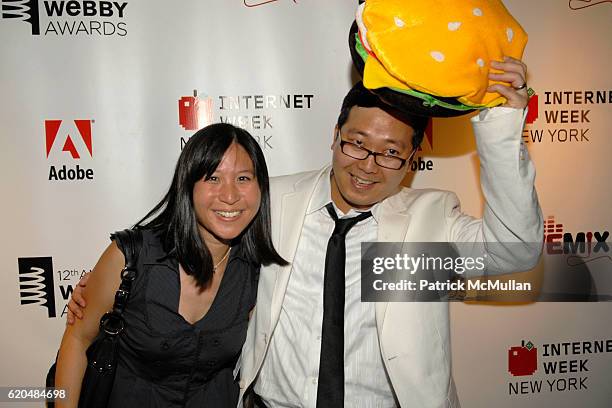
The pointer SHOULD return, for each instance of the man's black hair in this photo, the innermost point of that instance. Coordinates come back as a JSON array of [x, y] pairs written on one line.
[[362, 97]]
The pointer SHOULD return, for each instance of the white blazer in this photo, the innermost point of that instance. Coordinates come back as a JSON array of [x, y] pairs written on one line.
[[414, 337]]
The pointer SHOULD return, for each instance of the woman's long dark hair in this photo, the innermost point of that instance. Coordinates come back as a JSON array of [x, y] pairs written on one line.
[[174, 215]]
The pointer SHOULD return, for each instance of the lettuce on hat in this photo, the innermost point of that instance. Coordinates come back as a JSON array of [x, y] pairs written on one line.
[[437, 51]]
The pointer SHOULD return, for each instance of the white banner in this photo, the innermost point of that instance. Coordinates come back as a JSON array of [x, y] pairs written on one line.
[[98, 98]]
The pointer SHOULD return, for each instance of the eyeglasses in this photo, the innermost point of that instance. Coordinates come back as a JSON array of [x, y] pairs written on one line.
[[382, 159]]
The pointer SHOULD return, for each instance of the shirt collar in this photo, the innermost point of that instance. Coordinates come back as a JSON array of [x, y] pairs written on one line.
[[322, 196]]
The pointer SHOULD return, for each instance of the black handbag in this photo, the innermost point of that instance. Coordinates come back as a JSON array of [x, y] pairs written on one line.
[[102, 353]]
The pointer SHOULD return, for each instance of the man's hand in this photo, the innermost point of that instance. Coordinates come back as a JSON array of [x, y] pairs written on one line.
[[77, 301], [515, 74]]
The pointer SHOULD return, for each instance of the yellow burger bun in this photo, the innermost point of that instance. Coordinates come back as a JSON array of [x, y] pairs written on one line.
[[439, 47]]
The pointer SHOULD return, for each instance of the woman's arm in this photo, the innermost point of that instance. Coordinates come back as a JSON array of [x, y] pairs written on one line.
[[72, 361]]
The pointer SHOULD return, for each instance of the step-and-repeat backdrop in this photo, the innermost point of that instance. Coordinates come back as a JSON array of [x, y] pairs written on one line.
[[98, 98]]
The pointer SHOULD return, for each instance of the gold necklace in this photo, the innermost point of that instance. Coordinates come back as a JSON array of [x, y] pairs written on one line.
[[222, 259]]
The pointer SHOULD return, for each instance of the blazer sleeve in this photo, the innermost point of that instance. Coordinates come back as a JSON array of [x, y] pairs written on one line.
[[512, 218]]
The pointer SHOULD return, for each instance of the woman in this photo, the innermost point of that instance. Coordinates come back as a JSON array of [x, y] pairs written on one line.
[[187, 315]]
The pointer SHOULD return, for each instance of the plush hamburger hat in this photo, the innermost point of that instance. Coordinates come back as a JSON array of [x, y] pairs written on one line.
[[432, 57]]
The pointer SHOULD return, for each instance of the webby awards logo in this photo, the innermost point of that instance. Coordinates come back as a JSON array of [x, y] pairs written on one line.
[[69, 18], [37, 284], [69, 140], [26, 11]]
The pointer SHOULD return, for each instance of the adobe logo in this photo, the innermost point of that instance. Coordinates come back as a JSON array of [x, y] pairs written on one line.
[[523, 359], [195, 113], [67, 133]]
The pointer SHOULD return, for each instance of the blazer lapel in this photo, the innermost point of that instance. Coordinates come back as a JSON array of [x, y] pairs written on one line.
[[293, 212], [392, 227]]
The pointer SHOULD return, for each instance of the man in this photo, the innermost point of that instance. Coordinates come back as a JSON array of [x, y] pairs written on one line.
[[395, 354]]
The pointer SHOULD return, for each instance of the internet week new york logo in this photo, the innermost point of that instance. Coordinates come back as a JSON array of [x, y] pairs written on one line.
[[255, 113], [565, 116], [69, 18], [61, 140], [36, 283], [565, 366]]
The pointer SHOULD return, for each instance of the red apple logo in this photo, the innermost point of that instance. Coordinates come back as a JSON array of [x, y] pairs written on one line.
[[523, 359], [195, 113], [532, 112]]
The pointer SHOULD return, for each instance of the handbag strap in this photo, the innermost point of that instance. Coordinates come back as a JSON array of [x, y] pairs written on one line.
[[131, 243]]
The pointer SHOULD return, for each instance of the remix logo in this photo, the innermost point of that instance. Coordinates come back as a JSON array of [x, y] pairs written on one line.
[[65, 134], [24, 10], [582, 243], [581, 4], [523, 359], [195, 113], [36, 283]]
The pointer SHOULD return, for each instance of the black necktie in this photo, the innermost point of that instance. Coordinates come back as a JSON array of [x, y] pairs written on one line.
[[330, 390]]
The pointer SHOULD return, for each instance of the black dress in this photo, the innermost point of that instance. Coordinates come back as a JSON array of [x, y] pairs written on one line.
[[164, 361]]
